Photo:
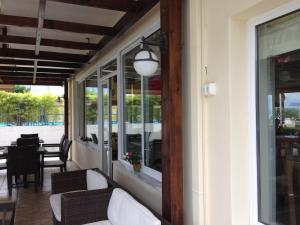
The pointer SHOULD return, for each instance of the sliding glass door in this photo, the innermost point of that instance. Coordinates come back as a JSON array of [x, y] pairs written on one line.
[[278, 120], [109, 116]]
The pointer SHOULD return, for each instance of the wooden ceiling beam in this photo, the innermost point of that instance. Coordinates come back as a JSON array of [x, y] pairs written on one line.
[[40, 75], [117, 5], [41, 63], [52, 56], [48, 42], [39, 70], [29, 82], [57, 25], [129, 19]]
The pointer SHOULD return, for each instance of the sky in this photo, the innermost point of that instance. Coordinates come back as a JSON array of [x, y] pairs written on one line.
[[292, 99], [39, 90]]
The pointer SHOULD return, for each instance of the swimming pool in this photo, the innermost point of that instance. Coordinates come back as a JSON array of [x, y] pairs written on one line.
[[5, 124]]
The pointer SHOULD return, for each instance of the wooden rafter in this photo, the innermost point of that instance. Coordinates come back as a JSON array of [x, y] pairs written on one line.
[[53, 56], [23, 81], [118, 5], [127, 21], [39, 70], [27, 74], [4, 34], [23, 61], [47, 64], [57, 25], [47, 42]]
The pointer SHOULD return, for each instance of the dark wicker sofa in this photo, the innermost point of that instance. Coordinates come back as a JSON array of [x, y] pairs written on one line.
[[83, 207], [85, 200]]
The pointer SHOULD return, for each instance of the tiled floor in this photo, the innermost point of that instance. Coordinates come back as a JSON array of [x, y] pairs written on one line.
[[32, 208]]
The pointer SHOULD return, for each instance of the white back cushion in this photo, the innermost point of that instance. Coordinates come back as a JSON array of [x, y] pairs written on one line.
[[95, 180], [125, 210]]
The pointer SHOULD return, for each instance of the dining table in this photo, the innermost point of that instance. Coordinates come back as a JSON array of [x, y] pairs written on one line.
[[14, 143], [40, 150]]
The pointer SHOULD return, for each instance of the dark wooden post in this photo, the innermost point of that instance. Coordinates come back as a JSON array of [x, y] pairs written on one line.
[[4, 33], [66, 106], [172, 147]]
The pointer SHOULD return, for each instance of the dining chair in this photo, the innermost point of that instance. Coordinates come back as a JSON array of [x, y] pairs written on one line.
[[61, 162], [29, 135], [34, 141], [3, 165], [7, 212], [22, 161], [59, 145]]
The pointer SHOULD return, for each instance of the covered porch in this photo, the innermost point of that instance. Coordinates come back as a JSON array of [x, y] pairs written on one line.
[[112, 113]]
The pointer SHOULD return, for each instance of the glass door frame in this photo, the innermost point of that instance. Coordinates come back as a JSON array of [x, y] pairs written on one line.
[[101, 82], [281, 11]]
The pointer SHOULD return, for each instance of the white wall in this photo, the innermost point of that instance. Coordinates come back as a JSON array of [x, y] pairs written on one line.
[[227, 115], [50, 134]]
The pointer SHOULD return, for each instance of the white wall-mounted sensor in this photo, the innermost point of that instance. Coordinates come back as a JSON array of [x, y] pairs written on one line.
[[209, 89]]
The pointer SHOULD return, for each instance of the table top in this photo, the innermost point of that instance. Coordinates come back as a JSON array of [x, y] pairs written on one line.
[[4, 150], [41, 141]]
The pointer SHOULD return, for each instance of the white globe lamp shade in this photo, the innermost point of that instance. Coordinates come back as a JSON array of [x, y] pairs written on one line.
[[145, 62]]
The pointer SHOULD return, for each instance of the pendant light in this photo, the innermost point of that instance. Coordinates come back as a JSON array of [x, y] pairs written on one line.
[[145, 61]]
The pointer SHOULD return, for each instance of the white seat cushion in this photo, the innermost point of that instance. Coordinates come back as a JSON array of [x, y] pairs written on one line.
[[104, 222], [123, 209], [95, 180], [53, 163], [55, 202]]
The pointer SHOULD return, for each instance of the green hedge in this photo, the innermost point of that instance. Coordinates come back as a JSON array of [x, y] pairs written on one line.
[[28, 107]]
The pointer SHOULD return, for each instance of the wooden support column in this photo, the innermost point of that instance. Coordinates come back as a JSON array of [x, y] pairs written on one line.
[[172, 113], [66, 106], [4, 33]]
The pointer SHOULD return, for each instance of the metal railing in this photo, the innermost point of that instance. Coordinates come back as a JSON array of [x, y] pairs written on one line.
[[43, 120]]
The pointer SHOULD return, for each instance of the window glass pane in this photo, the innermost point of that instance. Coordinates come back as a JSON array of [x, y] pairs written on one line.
[[114, 117], [81, 110], [152, 113], [278, 118], [109, 68], [91, 108], [132, 105]]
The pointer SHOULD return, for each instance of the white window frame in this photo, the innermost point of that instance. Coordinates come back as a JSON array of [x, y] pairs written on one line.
[[100, 109], [268, 16], [90, 145], [144, 169]]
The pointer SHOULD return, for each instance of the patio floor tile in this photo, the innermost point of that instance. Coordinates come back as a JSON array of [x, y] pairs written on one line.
[[32, 208]]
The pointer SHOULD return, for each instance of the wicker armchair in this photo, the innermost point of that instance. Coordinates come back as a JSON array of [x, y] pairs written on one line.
[[84, 207], [78, 205]]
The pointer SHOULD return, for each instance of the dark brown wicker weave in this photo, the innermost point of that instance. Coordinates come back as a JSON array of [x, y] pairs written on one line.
[[84, 206]]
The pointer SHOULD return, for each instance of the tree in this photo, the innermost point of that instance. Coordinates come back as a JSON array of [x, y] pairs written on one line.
[[21, 89], [26, 107]]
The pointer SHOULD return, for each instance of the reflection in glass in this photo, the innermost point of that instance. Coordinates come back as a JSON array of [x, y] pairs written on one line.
[[132, 105], [142, 110], [152, 113], [109, 68], [114, 116], [91, 108], [278, 119], [81, 111]]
